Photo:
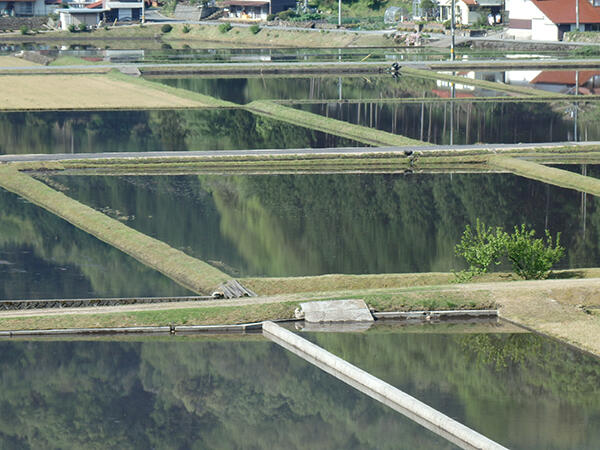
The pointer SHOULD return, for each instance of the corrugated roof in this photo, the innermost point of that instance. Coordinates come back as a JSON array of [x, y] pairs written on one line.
[[563, 11]]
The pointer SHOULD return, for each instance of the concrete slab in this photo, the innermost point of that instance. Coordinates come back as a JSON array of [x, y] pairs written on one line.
[[354, 310], [333, 327]]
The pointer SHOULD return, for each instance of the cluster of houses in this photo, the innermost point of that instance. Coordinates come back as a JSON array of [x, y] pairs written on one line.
[[546, 20]]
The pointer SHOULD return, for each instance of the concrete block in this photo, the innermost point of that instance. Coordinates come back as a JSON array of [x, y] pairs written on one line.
[[336, 311]]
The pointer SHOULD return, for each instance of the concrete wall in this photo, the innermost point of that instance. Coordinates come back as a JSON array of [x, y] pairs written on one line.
[[24, 9], [542, 28]]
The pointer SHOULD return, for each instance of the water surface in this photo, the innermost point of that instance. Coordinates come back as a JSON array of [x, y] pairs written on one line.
[[42, 256], [522, 390], [186, 394], [292, 225], [141, 131]]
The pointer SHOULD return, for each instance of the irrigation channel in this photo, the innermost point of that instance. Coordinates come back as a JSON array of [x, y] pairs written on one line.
[[298, 187]]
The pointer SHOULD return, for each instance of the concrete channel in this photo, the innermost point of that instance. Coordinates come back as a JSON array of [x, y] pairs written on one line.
[[387, 394]]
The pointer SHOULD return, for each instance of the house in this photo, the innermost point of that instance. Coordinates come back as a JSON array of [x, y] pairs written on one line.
[[255, 9], [548, 20], [27, 8], [95, 12], [467, 12]]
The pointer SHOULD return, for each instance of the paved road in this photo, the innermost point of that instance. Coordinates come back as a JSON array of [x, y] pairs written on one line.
[[282, 152]]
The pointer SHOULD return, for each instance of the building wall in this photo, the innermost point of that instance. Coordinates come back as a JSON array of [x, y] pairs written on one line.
[[542, 28], [24, 9]]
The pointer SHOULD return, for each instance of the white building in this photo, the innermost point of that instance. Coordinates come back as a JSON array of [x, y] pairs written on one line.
[[548, 20], [92, 13], [467, 12]]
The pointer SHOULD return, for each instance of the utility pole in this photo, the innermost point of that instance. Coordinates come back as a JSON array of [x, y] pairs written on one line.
[[339, 13], [577, 14], [452, 30]]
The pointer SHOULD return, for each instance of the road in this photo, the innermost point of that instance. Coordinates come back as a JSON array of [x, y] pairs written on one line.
[[282, 152]]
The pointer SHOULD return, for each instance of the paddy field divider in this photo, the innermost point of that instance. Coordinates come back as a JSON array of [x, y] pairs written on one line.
[[366, 135], [189, 272], [550, 175], [521, 90]]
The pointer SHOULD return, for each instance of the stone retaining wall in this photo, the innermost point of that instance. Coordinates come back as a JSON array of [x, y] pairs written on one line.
[[593, 37], [15, 23]]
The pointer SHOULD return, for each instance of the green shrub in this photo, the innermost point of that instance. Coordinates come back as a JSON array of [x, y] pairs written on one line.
[[254, 29], [82, 27], [225, 27], [166, 28], [24, 29], [270, 17], [481, 248], [287, 14], [106, 28], [186, 29], [72, 28], [531, 258]]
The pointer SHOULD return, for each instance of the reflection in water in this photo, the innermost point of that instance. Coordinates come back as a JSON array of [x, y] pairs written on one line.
[[493, 122], [245, 90], [42, 256], [315, 224], [189, 394], [140, 131], [524, 391]]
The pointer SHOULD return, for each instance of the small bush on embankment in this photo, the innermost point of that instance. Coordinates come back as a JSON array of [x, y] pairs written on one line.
[[166, 28], [531, 258], [225, 27]]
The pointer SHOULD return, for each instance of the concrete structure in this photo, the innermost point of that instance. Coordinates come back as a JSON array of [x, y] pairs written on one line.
[[379, 390], [548, 20], [335, 311], [254, 9], [27, 8], [101, 11]]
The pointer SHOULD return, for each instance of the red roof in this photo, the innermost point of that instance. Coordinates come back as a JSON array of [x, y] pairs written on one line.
[[470, 2], [446, 94], [563, 11], [564, 77], [94, 5]]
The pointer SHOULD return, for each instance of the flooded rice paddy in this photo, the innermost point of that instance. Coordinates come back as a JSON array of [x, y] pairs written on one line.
[[42, 256], [292, 225]]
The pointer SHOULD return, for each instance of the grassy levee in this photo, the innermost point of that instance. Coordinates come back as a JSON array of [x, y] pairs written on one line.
[[550, 175], [203, 100], [521, 90], [189, 272], [313, 121]]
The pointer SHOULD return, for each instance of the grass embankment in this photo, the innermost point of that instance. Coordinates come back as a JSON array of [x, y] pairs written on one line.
[[12, 61], [275, 38], [73, 61], [371, 160], [521, 90], [51, 92], [550, 175], [191, 273], [318, 122]]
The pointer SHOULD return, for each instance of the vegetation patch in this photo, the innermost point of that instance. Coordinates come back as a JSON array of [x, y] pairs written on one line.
[[550, 175], [191, 273], [313, 121]]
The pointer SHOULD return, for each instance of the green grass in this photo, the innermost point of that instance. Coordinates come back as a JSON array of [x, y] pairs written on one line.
[[550, 175], [191, 316], [191, 273], [73, 61], [318, 122]]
